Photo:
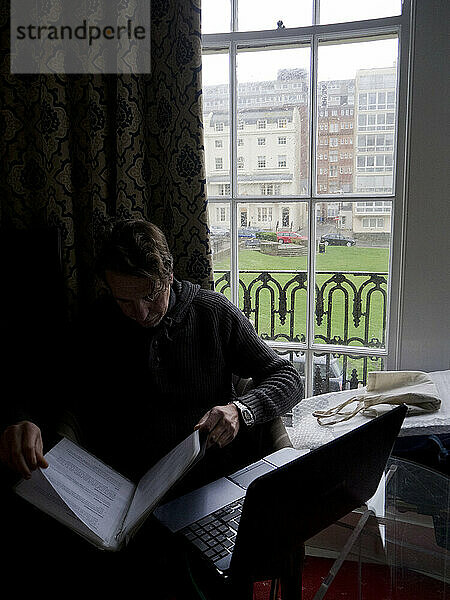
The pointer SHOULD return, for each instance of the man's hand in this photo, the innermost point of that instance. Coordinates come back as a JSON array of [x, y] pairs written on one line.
[[21, 448], [222, 424]]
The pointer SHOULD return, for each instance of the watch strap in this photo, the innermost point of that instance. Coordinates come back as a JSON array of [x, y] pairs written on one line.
[[245, 413]]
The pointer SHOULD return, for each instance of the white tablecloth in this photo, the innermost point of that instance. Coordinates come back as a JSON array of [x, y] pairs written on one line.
[[306, 432]]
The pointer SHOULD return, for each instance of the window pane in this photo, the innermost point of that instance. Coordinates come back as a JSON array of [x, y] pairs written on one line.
[[273, 108], [216, 123], [352, 264], [354, 125], [273, 247], [267, 14], [357, 10], [219, 226], [216, 16]]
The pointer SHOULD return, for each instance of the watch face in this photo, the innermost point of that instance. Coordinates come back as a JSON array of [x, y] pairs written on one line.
[[247, 416]]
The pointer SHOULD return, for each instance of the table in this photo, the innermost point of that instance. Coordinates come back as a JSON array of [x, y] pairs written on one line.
[[405, 527], [306, 432]]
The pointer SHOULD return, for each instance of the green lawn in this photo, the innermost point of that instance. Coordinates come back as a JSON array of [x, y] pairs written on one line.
[[338, 307], [336, 258]]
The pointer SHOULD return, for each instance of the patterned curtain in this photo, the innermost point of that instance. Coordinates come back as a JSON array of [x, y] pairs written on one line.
[[75, 149]]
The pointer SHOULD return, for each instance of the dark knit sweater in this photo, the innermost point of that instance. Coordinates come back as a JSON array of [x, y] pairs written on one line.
[[140, 391]]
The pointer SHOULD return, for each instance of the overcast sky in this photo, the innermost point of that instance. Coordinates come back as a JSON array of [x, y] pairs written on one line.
[[335, 61]]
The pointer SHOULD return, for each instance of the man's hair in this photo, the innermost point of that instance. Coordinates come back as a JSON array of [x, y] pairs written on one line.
[[133, 247]]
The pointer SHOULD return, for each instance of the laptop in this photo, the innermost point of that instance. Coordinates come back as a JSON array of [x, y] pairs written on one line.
[[253, 519]]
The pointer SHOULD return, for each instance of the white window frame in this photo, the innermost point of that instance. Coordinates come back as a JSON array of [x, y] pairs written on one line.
[[400, 25], [261, 162]]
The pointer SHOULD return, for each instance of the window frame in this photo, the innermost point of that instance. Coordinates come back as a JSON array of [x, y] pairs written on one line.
[[231, 42]]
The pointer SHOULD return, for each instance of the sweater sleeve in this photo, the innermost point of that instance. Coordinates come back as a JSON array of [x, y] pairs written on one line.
[[277, 384]]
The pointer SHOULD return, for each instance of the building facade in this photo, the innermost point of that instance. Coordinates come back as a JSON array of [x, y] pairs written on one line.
[[354, 150]]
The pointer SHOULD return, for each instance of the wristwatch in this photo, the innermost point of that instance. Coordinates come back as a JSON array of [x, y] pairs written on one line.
[[245, 412]]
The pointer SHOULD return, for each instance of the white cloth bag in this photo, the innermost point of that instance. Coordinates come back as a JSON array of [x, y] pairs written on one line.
[[413, 388]]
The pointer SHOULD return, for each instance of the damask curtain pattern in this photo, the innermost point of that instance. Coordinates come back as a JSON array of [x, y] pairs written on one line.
[[75, 149]]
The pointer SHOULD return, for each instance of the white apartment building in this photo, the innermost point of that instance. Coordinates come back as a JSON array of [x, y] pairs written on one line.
[[375, 91], [268, 164], [354, 150]]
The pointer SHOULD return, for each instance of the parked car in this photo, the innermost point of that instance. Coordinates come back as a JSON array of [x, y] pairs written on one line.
[[337, 239], [287, 237], [219, 231], [251, 242], [320, 363], [248, 232]]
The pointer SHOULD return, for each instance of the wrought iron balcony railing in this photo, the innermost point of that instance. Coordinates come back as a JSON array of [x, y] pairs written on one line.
[[350, 310]]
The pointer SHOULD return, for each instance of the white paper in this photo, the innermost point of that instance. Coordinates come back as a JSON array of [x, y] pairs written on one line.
[[160, 478], [97, 494], [39, 492]]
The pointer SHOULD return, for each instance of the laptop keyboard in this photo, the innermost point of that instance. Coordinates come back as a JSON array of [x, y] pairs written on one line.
[[215, 534]]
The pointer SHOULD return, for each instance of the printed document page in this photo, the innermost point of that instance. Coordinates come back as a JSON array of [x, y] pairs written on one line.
[[97, 494], [160, 478], [40, 493]]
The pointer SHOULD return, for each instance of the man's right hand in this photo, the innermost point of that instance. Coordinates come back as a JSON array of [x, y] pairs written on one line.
[[21, 448]]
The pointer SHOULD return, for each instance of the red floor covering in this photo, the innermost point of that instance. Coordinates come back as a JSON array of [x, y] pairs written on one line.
[[376, 583]]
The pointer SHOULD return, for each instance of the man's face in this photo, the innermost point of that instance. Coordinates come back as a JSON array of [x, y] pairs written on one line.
[[138, 298]]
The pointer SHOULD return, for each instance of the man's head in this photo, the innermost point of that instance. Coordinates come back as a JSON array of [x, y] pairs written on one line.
[[134, 260]]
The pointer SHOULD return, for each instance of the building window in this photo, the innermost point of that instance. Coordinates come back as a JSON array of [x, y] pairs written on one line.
[[218, 143], [219, 127], [359, 106], [333, 156], [240, 142], [265, 214], [373, 222], [221, 214], [270, 189], [219, 163]]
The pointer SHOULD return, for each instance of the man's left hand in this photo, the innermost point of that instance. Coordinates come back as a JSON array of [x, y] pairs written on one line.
[[221, 423]]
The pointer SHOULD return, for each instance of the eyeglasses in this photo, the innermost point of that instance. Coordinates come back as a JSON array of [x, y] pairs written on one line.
[[159, 288]]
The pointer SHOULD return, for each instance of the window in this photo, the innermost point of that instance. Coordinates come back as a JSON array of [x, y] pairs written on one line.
[[264, 214], [219, 127], [349, 110], [373, 223], [270, 189], [221, 214], [224, 189], [219, 163], [218, 143]]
